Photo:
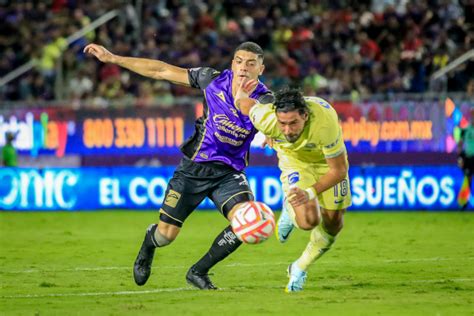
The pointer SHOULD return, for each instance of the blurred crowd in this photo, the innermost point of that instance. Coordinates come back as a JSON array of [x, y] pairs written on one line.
[[354, 48]]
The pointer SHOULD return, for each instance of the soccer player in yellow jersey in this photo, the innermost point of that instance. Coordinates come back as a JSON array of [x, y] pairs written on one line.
[[306, 134]]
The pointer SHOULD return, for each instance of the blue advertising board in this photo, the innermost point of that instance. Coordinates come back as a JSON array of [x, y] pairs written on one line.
[[373, 188]]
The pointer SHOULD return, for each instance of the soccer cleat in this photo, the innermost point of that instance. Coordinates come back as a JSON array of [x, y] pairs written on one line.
[[142, 266], [284, 226], [297, 278], [201, 281]]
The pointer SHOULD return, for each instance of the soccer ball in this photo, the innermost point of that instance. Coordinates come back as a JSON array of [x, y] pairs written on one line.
[[253, 222]]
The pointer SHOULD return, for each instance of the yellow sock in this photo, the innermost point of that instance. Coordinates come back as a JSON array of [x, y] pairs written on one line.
[[320, 242]]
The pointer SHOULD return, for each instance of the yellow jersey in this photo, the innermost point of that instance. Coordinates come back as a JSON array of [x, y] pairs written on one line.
[[321, 137]]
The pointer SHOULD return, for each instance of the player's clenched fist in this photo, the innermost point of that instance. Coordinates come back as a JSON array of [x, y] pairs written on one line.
[[100, 52]]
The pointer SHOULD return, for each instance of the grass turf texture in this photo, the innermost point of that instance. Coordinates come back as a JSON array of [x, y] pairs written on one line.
[[382, 264]]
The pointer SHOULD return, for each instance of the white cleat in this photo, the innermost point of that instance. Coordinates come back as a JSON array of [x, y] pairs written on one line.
[[297, 278], [284, 226]]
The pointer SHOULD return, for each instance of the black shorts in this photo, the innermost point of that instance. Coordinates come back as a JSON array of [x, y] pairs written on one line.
[[192, 182]]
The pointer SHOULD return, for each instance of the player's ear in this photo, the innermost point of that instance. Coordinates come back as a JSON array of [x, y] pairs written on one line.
[[306, 116], [262, 68]]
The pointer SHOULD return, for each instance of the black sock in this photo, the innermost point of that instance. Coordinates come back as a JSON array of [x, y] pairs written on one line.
[[224, 244], [149, 237]]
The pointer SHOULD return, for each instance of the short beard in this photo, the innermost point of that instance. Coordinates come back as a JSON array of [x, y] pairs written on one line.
[[292, 139]]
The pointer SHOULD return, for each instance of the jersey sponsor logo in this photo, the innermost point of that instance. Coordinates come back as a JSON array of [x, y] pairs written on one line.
[[228, 140], [172, 198], [223, 120], [221, 96], [338, 201]]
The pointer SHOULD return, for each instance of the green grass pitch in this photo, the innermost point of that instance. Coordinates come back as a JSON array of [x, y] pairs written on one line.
[[384, 263]]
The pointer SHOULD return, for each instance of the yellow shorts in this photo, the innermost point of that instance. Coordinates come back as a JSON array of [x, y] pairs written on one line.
[[337, 198]]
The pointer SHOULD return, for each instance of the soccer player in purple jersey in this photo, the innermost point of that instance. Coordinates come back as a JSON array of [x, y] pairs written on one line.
[[214, 156]]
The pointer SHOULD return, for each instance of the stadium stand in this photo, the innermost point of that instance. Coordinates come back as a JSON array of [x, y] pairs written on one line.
[[354, 48]]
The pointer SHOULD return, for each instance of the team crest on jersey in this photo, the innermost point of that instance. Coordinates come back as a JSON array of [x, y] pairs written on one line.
[[293, 177], [172, 198], [220, 95]]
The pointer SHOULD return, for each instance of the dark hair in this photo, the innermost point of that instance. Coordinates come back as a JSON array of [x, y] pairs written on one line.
[[251, 47], [10, 136], [288, 100]]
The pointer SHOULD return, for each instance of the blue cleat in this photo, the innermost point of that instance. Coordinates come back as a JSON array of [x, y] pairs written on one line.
[[297, 278], [284, 226]]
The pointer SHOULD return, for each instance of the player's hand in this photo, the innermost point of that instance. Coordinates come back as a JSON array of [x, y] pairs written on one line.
[[297, 197], [242, 98], [100, 52], [248, 86], [267, 142]]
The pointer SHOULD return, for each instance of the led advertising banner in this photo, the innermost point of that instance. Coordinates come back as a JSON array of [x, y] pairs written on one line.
[[402, 125], [89, 132], [396, 126], [374, 188]]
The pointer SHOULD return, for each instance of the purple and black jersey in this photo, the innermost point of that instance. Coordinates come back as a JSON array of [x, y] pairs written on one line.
[[223, 133]]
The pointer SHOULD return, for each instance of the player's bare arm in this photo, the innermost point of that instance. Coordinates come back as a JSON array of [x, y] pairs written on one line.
[[155, 69], [337, 172]]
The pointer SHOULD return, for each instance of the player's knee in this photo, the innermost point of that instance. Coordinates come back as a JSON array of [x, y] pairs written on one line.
[[308, 223], [232, 211], [308, 217], [232, 205]]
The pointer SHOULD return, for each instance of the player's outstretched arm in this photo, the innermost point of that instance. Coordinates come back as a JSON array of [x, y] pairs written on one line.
[[151, 68]]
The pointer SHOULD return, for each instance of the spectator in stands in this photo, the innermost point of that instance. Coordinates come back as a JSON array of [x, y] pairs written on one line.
[[9, 154], [466, 161]]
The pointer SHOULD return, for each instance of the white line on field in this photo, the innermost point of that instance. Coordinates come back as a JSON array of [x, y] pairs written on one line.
[[426, 259], [181, 289], [236, 264], [101, 293]]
